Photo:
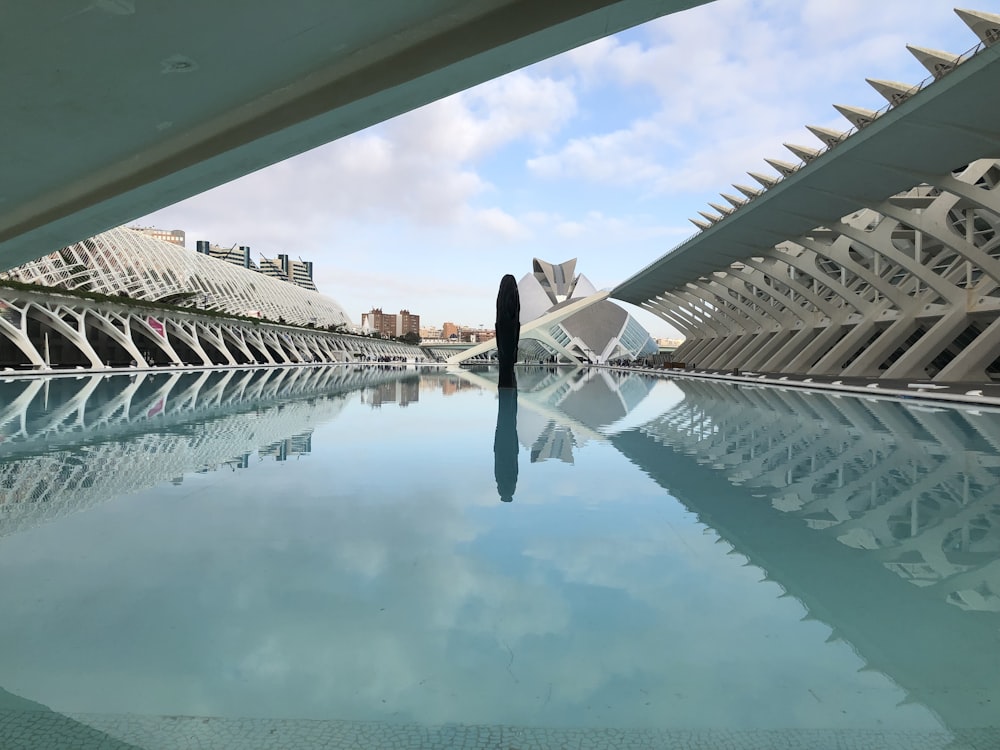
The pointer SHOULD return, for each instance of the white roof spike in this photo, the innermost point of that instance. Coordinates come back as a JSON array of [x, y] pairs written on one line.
[[859, 117], [733, 200], [805, 153], [828, 136], [749, 192], [711, 217], [700, 224], [724, 210], [786, 168], [984, 25], [937, 62], [765, 180], [894, 92]]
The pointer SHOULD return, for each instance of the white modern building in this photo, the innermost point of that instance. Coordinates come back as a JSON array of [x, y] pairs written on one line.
[[564, 317], [876, 255], [126, 262], [124, 298], [597, 333]]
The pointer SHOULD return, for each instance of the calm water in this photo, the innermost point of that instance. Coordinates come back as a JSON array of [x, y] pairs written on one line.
[[367, 557]]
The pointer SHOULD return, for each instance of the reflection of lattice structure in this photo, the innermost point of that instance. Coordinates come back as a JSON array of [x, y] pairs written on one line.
[[915, 486], [150, 429], [887, 260]]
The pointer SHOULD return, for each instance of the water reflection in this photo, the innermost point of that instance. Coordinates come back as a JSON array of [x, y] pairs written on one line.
[[915, 485], [882, 518], [505, 444], [565, 408], [377, 580], [69, 443]]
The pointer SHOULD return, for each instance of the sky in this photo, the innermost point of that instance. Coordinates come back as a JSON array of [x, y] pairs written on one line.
[[601, 154]]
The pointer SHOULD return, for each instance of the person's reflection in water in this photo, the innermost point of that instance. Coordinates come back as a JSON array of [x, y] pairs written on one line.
[[505, 445]]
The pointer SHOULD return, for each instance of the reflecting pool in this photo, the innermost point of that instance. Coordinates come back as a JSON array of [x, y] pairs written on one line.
[[378, 557]]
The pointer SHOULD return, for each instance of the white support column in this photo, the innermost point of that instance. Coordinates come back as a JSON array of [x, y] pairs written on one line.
[[186, 332], [75, 334]]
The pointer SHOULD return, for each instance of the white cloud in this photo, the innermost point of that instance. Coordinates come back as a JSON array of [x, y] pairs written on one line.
[[501, 224], [730, 80], [617, 158], [420, 167]]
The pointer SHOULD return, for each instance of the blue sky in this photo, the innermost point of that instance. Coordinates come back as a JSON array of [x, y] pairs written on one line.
[[600, 154]]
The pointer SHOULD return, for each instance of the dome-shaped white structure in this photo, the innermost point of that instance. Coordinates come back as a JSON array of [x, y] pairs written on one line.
[[126, 262]]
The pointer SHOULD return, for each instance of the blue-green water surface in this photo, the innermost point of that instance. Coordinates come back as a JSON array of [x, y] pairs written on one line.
[[332, 544]]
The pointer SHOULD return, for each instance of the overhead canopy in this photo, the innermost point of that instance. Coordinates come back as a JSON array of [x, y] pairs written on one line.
[[115, 108]]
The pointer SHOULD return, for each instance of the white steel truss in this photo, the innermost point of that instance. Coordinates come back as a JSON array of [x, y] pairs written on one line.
[[47, 331], [876, 256], [908, 288], [126, 262]]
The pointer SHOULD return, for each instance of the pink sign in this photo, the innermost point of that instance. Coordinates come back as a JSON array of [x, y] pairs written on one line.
[[156, 326], [157, 408]]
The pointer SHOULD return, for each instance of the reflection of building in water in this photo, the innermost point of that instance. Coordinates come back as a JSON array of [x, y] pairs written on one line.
[[562, 410], [883, 519], [556, 441], [282, 450], [403, 392], [916, 486], [69, 444], [451, 384]]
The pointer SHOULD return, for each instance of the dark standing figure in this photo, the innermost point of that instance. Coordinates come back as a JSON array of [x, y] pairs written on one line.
[[505, 445], [508, 328]]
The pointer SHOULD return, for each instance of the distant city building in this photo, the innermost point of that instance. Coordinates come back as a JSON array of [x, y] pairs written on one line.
[[389, 324], [173, 236], [669, 343], [448, 330], [237, 256], [430, 332], [407, 322], [379, 322], [298, 272]]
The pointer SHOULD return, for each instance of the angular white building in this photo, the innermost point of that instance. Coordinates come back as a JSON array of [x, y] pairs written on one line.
[[597, 333]]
